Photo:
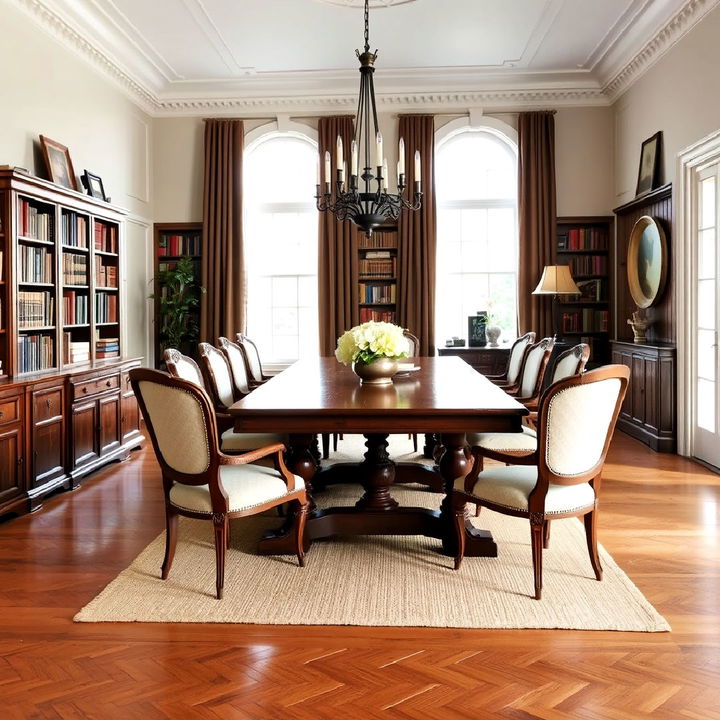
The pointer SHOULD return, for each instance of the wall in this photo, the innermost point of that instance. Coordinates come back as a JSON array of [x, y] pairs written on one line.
[[58, 95]]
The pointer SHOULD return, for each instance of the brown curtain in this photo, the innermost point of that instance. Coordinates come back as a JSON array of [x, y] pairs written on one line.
[[417, 236], [222, 310], [537, 217], [337, 247]]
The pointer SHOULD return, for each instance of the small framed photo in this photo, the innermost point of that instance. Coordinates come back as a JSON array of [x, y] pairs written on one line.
[[649, 171], [562, 242], [94, 185], [58, 162]]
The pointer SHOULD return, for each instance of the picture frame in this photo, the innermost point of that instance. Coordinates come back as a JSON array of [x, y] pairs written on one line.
[[94, 185], [58, 163], [647, 262], [649, 169]]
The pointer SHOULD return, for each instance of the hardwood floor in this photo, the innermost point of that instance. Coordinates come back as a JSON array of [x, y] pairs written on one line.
[[659, 519]]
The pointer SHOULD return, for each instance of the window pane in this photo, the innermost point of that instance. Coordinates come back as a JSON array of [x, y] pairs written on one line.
[[706, 304], [708, 198], [706, 405], [706, 254], [706, 354]]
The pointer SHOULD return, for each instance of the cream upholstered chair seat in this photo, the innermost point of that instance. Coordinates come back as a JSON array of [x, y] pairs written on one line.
[[525, 441], [230, 441], [246, 486], [510, 487]]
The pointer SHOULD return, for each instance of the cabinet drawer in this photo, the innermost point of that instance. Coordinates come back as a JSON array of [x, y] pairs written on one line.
[[93, 387], [9, 410], [47, 404]]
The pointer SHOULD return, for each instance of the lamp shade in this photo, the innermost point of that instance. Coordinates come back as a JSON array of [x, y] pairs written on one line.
[[556, 280]]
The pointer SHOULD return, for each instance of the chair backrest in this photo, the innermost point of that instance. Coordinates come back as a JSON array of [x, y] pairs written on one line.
[[576, 420], [517, 353], [218, 377], [571, 362], [413, 343], [252, 357], [183, 367], [238, 365], [533, 368], [181, 424]]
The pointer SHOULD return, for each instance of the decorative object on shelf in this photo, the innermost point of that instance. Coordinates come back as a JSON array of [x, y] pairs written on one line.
[[556, 280], [649, 170], [372, 349], [58, 163], [646, 262], [476, 329], [94, 185], [354, 199], [492, 333], [639, 324], [455, 341]]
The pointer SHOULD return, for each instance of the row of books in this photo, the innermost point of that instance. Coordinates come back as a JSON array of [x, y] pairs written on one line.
[[378, 239], [583, 239], [35, 264], [378, 267], [107, 347], [106, 237], [105, 274], [105, 307], [35, 352], [35, 309], [588, 265], [74, 229], [75, 308], [35, 222], [74, 268], [75, 351], [178, 245], [368, 314], [372, 293], [585, 321]]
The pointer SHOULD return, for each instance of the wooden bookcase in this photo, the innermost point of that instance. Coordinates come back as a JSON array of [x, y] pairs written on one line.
[[174, 241], [66, 404], [583, 243], [377, 275]]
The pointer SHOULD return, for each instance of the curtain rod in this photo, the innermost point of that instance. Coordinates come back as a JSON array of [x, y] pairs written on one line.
[[272, 118]]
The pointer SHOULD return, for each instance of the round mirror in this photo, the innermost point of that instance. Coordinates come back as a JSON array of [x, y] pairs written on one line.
[[646, 261]]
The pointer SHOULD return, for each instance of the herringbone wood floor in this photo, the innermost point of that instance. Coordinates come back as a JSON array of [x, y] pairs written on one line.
[[659, 520]]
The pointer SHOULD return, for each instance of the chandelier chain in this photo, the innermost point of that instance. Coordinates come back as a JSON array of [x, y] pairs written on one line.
[[367, 25]]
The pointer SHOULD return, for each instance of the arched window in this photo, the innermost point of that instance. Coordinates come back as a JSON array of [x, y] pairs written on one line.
[[280, 241], [477, 239]]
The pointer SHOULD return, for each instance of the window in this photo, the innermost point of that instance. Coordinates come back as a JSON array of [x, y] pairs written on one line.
[[280, 235], [477, 243]]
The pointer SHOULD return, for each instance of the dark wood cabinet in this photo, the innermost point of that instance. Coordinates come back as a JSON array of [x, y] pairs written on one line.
[[648, 412], [84, 433], [486, 360], [109, 427], [130, 434], [12, 450]]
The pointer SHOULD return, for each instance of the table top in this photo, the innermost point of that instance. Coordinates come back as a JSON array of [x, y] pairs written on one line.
[[321, 395]]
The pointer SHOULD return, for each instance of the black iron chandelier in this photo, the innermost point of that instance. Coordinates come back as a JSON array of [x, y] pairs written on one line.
[[357, 200]]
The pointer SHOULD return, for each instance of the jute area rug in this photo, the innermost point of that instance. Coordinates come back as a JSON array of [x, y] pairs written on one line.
[[380, 580]]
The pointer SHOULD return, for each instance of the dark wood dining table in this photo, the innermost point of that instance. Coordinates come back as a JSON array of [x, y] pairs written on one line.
[[445, 396]]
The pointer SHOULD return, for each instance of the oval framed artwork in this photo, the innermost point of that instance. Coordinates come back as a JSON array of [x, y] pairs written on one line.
[[646, 261]]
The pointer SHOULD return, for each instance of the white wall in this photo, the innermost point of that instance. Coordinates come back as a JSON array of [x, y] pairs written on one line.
[[45, 89]]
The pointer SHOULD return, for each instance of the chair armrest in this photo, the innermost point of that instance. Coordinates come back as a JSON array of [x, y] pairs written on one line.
[[517, 458], [275, 450]]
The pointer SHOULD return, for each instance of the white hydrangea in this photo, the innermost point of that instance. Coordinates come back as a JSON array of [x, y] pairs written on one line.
[[371, 340]]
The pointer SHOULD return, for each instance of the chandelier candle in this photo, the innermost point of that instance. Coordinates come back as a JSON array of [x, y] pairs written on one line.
[[364, 198]]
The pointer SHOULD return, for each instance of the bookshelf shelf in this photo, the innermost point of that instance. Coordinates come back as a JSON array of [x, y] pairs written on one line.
[[35, 241], [106, 254], [377, 275]]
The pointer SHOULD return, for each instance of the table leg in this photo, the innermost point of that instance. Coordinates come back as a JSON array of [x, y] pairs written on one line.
[[378, 474], [301, 458], [453, 464]]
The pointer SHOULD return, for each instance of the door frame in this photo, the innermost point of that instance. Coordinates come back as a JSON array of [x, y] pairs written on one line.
[[689, 162]]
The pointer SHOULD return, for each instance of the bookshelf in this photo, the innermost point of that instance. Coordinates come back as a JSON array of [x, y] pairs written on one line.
[[377, 275], [583, 243], [174, 241]]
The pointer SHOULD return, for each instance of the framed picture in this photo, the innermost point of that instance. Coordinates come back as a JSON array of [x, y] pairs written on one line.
[[94, 185], [58, 162], [649, 171], [647, 262]]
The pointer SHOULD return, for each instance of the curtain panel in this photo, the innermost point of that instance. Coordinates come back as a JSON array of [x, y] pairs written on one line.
[[222, 309], [337, 247], [537, 216], [417, 236]]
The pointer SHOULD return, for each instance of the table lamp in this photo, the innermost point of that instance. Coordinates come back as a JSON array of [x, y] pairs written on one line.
[[556, 280]]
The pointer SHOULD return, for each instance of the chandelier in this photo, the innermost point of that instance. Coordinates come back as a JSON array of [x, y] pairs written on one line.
[[364, 199]]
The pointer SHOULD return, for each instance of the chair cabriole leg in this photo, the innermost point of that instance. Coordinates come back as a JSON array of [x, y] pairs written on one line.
[[536, 538], [591, 537], [460, 511], [220, 526], [300, 517], [171, 524]]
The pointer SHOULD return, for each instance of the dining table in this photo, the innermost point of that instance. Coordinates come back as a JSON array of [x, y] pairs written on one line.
[[440, 395]]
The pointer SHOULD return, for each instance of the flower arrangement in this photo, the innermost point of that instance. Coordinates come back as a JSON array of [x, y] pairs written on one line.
[[370, 341]]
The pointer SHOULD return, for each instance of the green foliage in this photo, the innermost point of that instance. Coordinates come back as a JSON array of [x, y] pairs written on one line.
[[179, 296]]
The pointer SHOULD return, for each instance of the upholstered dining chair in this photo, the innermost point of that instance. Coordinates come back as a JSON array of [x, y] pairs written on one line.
[[222, 390], [562, 478], [199, 480], [183, 366], [251, 354], [532, 371], [238, 366], [509, 379]]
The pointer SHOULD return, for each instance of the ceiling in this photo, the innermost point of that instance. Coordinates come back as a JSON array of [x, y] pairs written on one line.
[[180, 55]]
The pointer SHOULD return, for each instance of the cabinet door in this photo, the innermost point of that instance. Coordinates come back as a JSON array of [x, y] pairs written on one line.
[[109, 408], [637, 388], [48, 436], [84, 433], [129, 412], [11, 463]]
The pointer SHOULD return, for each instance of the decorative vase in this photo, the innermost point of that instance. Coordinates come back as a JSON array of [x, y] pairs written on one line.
[[493, 333], [378, 372]]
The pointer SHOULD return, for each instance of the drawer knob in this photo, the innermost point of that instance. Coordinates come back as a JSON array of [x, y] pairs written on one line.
[[108, 383], [84, 390], [48, 403]]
